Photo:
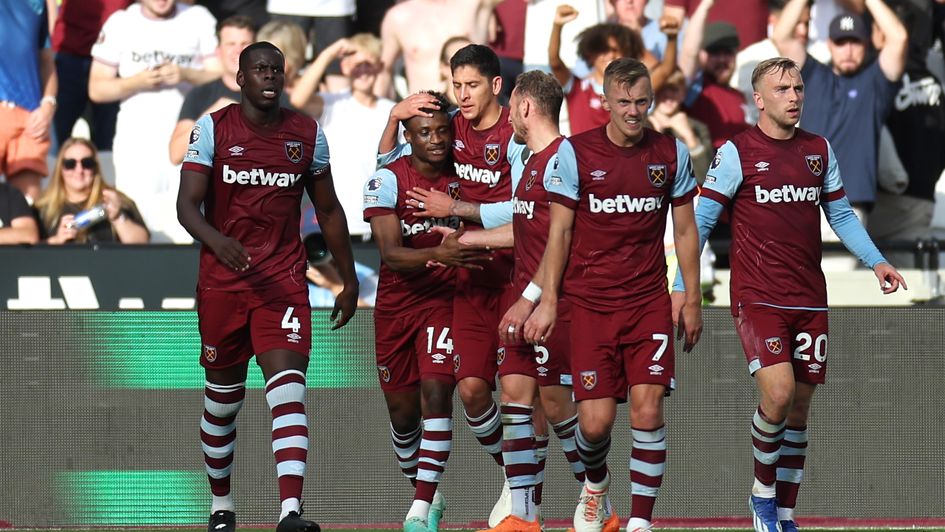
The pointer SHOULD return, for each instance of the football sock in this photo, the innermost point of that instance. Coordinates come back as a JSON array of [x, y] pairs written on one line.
[[285, 393], [791, 468], [594, 457], [766, 439], [218, 438], [565, 432], [407, 449], [518, 454], [541, 454], [488, 430], [434, 452], [647, 464]]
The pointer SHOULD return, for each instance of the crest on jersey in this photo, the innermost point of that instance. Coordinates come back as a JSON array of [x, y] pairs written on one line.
[[588, 379], [456, 362], [384, 373], [453, 189], [774, 345], [815, 163], [209, 353], [531, 180], [293, 150], [500, 356], [491, 154], [657, 174]]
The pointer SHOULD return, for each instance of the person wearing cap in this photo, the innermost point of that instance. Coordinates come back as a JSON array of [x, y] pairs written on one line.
[[708, 62], [848, 100]]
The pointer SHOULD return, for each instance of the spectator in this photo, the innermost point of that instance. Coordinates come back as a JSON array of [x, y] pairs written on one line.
[[324, 280], [508, 42], [17, 223], [353, 120], [77, 27], [630, 13], [148, 57], [450, 47], [233, 34], [323, 22], [28, 85], [749, 16], [708, 62], [76, 186], [854, 95], [437, 22], [821, 13], [668, 116], [750, 56], [224, 9], [290, 39], [916, 125], [598, 45]]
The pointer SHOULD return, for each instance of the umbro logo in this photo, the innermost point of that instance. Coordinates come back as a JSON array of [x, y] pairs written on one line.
[[762, 166], [458, 145], [438, 358], [815, 367], [293, 337], [655, 369], [598, 175], [237, 150]]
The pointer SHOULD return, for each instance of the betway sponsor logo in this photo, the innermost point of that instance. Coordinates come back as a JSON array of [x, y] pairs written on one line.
[[787, 194], [624, 203], [477, 175], [417, 228], [259, 176], [523, 207]]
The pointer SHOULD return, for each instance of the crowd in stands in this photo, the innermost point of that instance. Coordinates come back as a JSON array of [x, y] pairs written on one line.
[[137, 76]]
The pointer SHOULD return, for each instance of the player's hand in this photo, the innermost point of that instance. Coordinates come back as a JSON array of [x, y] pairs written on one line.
[[411, 106], [677, 299], [669, 26], [65, 232], [564, 14], [512, 324], [231, 252], [889, 278], [451, 252], [689, 325], [539, 326], [429, 203], [346, 302], [442, 230]]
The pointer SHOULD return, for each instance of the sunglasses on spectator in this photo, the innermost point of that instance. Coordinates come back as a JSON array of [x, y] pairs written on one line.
[[87, 162]]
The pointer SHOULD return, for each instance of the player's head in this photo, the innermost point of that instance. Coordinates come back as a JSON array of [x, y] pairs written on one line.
[[431, 137], [776, 7], [536, 96], [778, 92], [261, 76], [600, 44], [720, 44], [628, 94], [158, 8], [849, 36], [476, 80], [363, 63], [234, 33]]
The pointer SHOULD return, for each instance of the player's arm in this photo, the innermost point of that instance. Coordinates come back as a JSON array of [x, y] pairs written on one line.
[[688, 244], [388, 149], [892, 56], [386, 232], [783, 34], [334, 226], [848, 227]]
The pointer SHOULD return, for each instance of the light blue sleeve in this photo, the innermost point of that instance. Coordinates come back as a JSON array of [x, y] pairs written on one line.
[[381, 190], [321, 158], [497, 214], [685, 178], [708, 212], [832, 182], [200, 150], [401, 150], [563, 178], [518, 155], [725, 173], [851, 231]]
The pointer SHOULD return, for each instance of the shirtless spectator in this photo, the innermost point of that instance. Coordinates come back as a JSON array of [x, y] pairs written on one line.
[[439, 20], [233, 34]]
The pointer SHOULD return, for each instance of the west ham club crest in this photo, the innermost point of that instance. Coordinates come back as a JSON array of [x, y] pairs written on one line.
[[454, 190], [491, 154], [293, 150], [531, 180], [774, 345], [657, 174], [588, 379], [815, 163]]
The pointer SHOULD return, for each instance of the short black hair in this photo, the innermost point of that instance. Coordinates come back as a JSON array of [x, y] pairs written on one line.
[[441, 100], [479, 56], [259, 45]]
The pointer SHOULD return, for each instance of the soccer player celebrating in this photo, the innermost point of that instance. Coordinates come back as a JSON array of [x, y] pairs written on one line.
[[610, 193], [414, 310], [773, 179], [482, 137], [247, 164]]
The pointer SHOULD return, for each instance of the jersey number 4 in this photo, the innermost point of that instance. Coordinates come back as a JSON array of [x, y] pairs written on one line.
[[289, 321]]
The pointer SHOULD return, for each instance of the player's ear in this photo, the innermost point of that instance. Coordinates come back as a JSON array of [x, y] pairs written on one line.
[[496, 85], [759, 103], [240, 78]]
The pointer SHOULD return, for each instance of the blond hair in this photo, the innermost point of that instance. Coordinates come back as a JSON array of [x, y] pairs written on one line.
[[367, 42], [53, 200], [290, 39]]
